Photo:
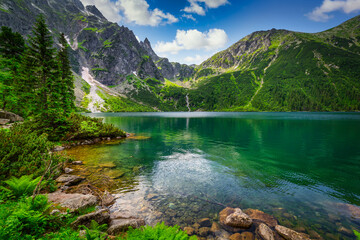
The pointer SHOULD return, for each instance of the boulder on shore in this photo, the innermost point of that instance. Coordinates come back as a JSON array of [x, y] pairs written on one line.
[[101, 217], [73, 201], [11, 116], [120, 225]]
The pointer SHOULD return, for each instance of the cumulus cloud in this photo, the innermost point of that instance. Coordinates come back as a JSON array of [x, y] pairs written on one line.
[[136, 11], [196, 60], [321, 14], [199, 6], [188, 16], [193, 39]]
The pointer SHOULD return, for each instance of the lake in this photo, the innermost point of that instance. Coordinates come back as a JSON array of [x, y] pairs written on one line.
[[302, 168]]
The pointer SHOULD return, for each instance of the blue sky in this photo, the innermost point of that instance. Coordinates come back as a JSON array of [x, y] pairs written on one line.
[[189, 31]]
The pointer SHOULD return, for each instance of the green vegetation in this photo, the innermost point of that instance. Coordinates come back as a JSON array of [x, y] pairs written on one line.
[[107, 44], [159, 231], [80, 45]]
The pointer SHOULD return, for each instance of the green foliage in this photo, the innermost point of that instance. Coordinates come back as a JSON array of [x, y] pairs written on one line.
[[23, 152], [357, 234], [107, 44], [82, 127], [23, 186], [26, 219], [159, 231]]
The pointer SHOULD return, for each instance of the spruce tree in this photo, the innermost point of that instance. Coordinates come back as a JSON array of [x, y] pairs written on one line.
[[12, 46], [40, 72], [67, 79]]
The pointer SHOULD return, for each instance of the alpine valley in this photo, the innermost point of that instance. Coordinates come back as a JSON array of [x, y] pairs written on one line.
[[275, 70]]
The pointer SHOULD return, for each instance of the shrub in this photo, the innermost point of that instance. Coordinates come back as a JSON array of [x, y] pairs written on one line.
[[159, 231], [23, 152]]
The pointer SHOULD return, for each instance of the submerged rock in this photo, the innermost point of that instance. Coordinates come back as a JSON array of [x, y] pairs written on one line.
[[107, 198], [261, 216], [215, 227], [73, 201], [289, 234], [101, 217], [204, 231], [189, 231], [205, 222], [235, 218], [235, 236], [265, 232]]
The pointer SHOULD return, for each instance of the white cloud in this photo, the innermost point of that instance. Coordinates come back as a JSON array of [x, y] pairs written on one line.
[[321, 14], [188, 16], [195, 60], [193, 39], [136, 11], [107, 8], [198, 6]]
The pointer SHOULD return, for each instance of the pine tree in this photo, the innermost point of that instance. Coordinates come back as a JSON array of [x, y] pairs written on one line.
[[67, 79]]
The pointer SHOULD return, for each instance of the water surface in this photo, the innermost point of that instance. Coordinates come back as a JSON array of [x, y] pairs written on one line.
[[300, 167]]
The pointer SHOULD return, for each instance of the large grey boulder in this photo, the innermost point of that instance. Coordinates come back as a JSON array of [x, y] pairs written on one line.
[[11, 116], [101, 217], [73, 201], [289, 234]]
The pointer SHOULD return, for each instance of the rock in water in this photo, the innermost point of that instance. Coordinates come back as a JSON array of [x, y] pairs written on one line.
[[189, 231], [234, 217], [260, 215], [120, 225], [265, 232], [69, 180], [101, 217], [289, 234], [205, 222], [73, 201], [107, 198]]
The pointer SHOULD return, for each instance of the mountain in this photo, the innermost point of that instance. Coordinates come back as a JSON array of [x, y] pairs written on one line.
[[281, 70], [275, 70]]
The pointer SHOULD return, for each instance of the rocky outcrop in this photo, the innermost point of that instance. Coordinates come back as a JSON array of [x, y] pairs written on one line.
[[73, 201], [234, 217], [12, 117], [289, 234], [101, 217]]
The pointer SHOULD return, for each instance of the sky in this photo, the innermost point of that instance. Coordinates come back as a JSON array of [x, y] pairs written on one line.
[[190, 31]]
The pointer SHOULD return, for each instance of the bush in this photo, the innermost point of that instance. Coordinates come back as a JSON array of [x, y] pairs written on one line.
[[159, 231], [23, 152]]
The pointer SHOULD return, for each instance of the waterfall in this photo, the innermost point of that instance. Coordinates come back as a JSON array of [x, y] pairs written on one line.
[[187, 102]]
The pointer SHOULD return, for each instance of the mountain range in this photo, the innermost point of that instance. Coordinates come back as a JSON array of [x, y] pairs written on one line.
[[275, 70]]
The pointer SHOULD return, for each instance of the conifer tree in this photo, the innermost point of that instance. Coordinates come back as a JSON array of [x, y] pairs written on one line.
[[40, 71], [12, 46], [67, 79]]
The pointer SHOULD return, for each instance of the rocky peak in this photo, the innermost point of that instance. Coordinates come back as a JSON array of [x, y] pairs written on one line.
[[92, 9], [147, 46]]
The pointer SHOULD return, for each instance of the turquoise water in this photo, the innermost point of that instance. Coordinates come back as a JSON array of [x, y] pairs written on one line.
[[300, 167]]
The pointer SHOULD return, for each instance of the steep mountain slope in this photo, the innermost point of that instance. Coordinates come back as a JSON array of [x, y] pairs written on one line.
[[280, 70]]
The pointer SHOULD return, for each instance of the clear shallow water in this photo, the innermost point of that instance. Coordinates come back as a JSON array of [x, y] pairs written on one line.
[[299, 167]]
